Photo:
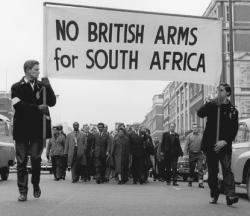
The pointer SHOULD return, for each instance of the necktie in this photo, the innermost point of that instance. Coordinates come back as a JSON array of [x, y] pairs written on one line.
[[75, 138]]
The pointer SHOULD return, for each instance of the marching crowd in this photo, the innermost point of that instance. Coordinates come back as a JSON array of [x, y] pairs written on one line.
[[127, 152]]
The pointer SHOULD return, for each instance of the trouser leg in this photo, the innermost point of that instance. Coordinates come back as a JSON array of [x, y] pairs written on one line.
[[59, 170], [200, 168], [36, 149], [174, 168], [103, 169], [161, 168], [64, 165], [213, 169], [135, 169], [22, 173], [228, 177], [192, 163], [53, 163], [98, 173], [75, 171], [167, 167]]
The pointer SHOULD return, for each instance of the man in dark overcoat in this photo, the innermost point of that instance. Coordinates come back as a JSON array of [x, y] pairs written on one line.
[[27, 101], [138, 155], [100, 146], [217, 144], [170, 149]]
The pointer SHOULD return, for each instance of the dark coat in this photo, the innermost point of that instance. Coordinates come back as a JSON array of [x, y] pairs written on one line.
[[228, 125], [136, 145], [169, 148], [100, 145], [120, 153], [90, 144], [28, 119]]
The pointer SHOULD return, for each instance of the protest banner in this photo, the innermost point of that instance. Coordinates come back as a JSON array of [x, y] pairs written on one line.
[[82, 42]]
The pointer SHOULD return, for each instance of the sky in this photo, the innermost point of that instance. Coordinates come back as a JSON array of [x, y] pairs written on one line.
[[85, 101]]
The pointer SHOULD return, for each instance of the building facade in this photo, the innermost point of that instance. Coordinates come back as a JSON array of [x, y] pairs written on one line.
[[241, 49], [154, 119]]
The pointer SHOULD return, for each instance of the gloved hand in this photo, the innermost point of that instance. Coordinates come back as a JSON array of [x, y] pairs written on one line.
[[44, 109], [45, 82]]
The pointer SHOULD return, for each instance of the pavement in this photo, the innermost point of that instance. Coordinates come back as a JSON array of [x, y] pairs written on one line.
[[63, 198]]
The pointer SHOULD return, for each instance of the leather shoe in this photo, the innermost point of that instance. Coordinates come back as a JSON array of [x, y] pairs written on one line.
[[22, 197], [189, 184], [37, 191], [201, 185], [231, 200], [214, 199]]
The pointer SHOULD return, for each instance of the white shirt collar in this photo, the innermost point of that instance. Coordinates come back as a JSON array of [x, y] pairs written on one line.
[[27, 81]]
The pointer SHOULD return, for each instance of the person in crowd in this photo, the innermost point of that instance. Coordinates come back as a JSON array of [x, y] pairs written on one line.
[[55, 152], [193, 151], [171, 150], [120, 155], [64, 157], [154, 159], [148, 149], [75, 148], [160, 162], [221, 129], [89, 153], [138, 157], [100, 146], [94, 130], [27, 101], [108, 158]]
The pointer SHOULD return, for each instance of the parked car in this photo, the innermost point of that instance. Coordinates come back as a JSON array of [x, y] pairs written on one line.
[[240, 164], [7, 149], [241, 155]]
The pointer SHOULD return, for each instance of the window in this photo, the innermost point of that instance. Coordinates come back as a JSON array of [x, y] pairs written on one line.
[[227, 13], [243, 133]]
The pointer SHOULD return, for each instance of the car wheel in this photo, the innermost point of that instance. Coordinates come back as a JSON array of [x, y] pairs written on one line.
[[248, 184], [5, 173]]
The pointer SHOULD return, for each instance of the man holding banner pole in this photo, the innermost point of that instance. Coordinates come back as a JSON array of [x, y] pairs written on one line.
[[27, 99], [221, 129]]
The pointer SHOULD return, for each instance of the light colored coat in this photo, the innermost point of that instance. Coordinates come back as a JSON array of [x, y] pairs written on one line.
[[81, 147]]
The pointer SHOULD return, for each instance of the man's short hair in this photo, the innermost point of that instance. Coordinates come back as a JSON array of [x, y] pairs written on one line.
[[29, 64], [100, 124], [227, 88], [172, 123]]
